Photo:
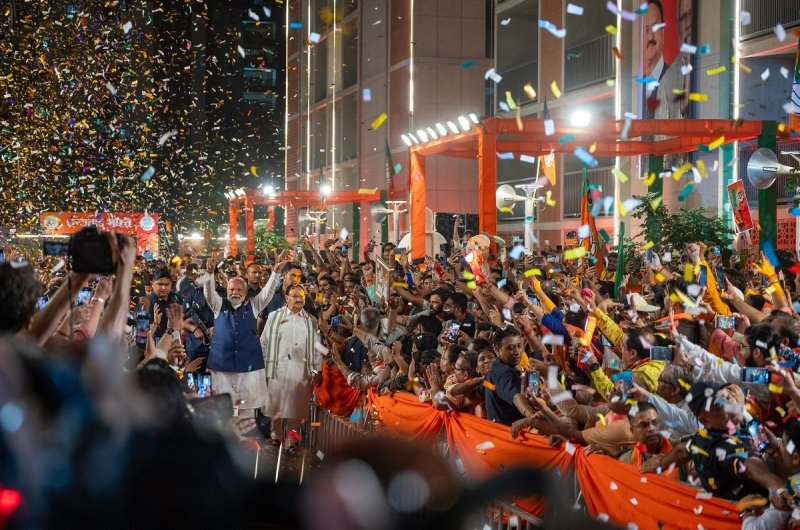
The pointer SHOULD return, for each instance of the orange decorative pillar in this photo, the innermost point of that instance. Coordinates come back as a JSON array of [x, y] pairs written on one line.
[[233, 225], [249, 223], [487, 182], [417, 198]]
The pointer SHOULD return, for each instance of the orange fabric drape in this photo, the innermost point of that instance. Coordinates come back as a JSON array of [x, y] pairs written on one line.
[[334, 394], [651, 501], [403, 414], [466, 434]]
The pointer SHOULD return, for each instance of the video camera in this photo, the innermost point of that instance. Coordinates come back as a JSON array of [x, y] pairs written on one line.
[[89, 250]]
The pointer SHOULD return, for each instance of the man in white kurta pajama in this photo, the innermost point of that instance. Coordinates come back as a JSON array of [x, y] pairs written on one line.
[[291, 362]]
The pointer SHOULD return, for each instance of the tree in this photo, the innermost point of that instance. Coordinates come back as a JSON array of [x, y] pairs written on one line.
[[270, 241], [673, 231]]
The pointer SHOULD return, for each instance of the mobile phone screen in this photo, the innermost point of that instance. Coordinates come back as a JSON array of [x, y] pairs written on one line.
[[42, 303], [721, 277], [204, 385], [755, 375], [142, 328], [661, 353], [453, 334], [2, 255], [533, 384], [84, 295], [55, 248], [190, 383]]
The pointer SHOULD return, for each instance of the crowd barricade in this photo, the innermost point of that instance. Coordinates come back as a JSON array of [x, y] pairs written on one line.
[[330, 432], [610, 489]]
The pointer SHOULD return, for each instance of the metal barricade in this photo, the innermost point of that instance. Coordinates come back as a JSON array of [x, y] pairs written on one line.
[[330, 432], [503, 516]]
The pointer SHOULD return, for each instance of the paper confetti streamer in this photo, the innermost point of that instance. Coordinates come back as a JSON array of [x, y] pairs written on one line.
[[780, 33], [611, 30], [377, 122], [573, 9], [555, 90], [620, 176], [716, 71], [549, 127], [695, 96], [529, 91]]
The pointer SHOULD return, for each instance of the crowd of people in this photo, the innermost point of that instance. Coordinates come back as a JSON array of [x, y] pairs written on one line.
[[681, 363]]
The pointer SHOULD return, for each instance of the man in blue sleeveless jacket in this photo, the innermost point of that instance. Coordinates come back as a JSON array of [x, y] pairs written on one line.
[[235, 359]]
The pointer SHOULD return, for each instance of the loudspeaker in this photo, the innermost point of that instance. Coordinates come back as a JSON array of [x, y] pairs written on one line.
[[378, 213], [763, 168], [506, 197]]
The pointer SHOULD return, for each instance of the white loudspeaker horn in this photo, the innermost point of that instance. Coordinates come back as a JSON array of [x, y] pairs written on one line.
[[378, 213], [763, 168], [305, 218], [506, 197]]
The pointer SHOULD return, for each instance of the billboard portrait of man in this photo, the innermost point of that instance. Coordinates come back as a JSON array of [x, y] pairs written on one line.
[[675, 84], [655, 65]]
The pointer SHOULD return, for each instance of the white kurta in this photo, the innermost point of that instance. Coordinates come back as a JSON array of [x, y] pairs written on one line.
[[289, 393]]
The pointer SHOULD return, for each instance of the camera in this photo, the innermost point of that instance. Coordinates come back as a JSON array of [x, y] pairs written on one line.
[[91, 252]]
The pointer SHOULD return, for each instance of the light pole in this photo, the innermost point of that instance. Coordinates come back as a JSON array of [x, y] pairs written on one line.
[[396, 211]]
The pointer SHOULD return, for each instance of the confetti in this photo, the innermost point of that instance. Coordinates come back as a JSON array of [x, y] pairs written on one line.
[[613, 486], [573, 9], [494, 76], [765, 75], [484, 446], [127, 27], [468, 64], [716, 71], [549, 26], [377, 122], [785, 72], [489, 385], [780, 33], [619, 175], [528, 159], [585, 157], [549, 127], [611, 30], [745, 18], [686, 69], [688, 48], [626, 15], [555, 90], [320, 455], [505, 22], [529, 91]]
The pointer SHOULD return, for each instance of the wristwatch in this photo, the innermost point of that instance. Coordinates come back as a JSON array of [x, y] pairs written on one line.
[[174, 334], [594, 366]]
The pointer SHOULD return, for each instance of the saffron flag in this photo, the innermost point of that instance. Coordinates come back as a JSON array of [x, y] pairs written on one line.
[[794, 118], [592, 243], [547, 163]]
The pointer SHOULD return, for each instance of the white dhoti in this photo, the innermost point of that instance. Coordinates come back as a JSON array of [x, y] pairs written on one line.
[[248, 389], [289, 394]]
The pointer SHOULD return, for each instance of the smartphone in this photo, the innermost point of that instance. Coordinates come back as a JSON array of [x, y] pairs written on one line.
[[2, 255], [204, 385], [84, 295], [444, 262], [759, 439], [55, 248], [452, 335], [344, 250], [42, 303], [190, 382], [721, 277], [410, 280], [755, 375], [534, 299], [142, 328], [725, 322], [533, 384], [661, 353], [336, 320], [626, 376]]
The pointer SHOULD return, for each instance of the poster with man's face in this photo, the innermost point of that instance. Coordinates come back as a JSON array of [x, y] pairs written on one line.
[[667, 71]]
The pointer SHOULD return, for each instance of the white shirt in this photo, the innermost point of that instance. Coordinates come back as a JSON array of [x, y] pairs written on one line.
[[655, 74], [259, 301]]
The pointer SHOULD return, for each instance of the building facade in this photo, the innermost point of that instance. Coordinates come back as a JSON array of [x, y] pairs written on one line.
[[424, 63]]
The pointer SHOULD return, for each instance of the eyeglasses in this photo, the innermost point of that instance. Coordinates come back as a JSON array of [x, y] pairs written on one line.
[[645, 424]]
